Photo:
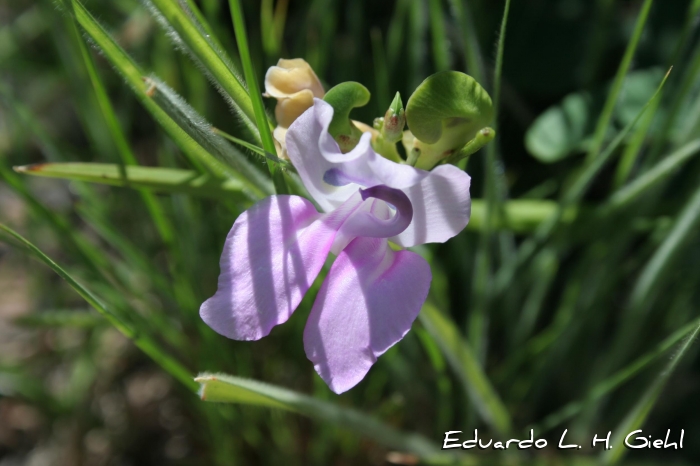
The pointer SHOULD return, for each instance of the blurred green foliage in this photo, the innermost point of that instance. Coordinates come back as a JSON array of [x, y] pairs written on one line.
[[569, 302]]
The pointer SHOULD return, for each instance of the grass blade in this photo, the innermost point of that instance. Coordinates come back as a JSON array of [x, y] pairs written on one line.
[[611, 101], [611, 383], [258, 107], [209, 137], [209, 53], [494, 188], [171, 180], [659, 172], [196, 154], [683, 229], [465, 364], [127, 157], [229, 389], [637, 416], [141, 340]]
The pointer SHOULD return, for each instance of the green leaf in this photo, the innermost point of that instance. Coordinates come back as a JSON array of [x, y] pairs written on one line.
[[466, 366], [567, 128], [230, 389], [444, 113], [174, 180], [560, 130]]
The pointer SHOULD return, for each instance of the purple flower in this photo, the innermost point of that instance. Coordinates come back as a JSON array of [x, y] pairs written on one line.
[[372, 293]]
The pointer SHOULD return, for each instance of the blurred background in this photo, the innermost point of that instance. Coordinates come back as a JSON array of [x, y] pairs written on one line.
[[592, 315]]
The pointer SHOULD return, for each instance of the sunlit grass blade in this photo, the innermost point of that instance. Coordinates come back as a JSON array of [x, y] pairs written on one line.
[[229, 389], [611, 383], [659, 172], [607, 113], [209, 53], [196, 154], [209, 137], [524, 215], [466, 366], [256, 97], [172, 180], [141, 340], [636, 418]]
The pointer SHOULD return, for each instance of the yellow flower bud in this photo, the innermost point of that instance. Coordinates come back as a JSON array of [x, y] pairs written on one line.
[[294, 84]]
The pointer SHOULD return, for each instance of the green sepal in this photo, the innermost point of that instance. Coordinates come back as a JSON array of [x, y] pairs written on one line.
[[343, 98], [483, 137]]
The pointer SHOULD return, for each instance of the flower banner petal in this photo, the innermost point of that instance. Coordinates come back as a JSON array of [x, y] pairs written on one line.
[[367, 304]]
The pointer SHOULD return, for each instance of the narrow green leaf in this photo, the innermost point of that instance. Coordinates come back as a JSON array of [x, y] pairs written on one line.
[[683, 229], [466, 366], [572, 196], [255, 95], [142, 341], [127, 157], [636, 418], [197, 154], [683, 93], [230, 389], [659, 172], [174, 180], [616, 380], [608, 109], [523, 215], [210, 138], [494, 193], [205, 49]]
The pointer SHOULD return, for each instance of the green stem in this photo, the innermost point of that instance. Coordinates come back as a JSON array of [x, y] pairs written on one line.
[[254, 92]]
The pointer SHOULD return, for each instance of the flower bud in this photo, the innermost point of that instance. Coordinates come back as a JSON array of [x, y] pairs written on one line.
[[294, 84], [394, 120]]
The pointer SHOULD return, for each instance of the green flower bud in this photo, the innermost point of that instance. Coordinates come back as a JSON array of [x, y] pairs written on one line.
[[394, 120]]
